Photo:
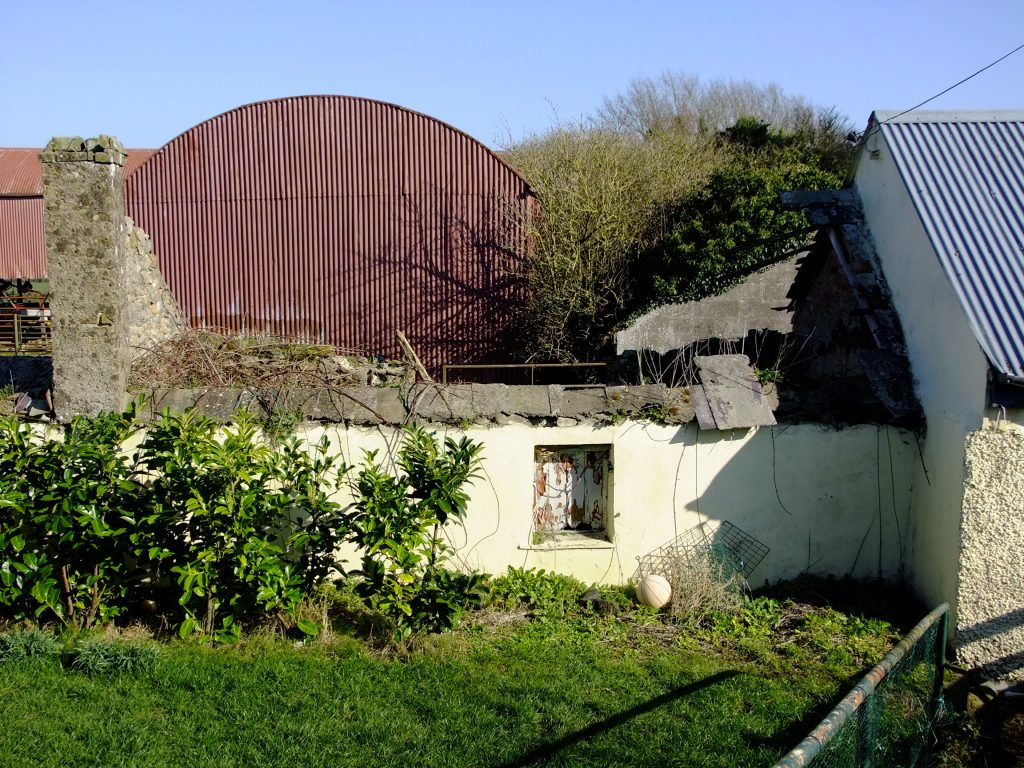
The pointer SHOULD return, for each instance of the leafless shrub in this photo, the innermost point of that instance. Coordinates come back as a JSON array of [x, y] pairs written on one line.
[[678, 103], [701, 585], [603, 197]]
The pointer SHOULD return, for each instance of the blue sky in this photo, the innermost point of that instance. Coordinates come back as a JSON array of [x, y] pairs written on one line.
[[146, 71]]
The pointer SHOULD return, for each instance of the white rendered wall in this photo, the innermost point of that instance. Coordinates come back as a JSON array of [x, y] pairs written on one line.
[[841, 514], [990, 630], [950, 370]]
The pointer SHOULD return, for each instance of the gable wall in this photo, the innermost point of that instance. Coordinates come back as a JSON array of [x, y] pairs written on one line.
[[949, 369]]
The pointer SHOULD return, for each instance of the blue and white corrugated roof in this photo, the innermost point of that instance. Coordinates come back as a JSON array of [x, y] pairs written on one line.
[[965, 174]]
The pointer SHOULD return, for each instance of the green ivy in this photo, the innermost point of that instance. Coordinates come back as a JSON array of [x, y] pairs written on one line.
[[734, 224]]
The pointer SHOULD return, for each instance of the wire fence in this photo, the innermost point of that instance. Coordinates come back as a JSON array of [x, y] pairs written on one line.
[[887, 719]]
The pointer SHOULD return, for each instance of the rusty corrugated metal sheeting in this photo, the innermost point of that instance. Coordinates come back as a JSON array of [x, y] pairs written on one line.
[[339, 220], [22, 244], [22, 247], [22, 176]]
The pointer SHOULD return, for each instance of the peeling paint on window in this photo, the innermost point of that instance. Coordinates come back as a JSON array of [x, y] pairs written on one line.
[[570, 488]]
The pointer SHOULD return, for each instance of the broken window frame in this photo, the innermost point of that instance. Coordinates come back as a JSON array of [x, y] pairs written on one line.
[[563, 508]]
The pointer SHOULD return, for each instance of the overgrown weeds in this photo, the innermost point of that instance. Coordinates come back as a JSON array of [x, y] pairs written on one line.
[[702, 586], [543, 593], [28, 642]]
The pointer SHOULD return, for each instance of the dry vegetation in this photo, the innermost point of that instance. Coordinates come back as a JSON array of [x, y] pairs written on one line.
[[614, 189], [209, 359]]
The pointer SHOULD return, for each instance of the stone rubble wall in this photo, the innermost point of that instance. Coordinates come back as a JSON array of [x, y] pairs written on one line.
[[153, 314]]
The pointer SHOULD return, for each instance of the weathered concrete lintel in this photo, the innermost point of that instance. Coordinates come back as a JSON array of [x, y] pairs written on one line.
[[495, 404]]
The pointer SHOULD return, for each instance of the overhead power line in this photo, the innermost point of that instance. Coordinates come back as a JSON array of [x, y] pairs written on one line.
[[956, 85]]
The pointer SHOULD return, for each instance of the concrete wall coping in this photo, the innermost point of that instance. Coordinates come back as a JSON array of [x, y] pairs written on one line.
[[496, 404]]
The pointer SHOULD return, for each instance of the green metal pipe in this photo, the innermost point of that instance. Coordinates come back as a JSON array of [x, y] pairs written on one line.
[[805, 752]]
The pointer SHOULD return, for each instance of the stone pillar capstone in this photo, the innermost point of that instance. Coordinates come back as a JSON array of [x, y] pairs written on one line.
[[84, 217]]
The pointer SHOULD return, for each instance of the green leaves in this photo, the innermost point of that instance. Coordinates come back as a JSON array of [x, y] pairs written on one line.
[[734, 223], [240, 529], [66, 503], [249, 529], [209, 524], [396, 523]]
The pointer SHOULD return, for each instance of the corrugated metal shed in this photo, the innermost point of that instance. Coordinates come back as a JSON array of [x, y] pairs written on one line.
[[340, 220], [22, 246], [964, 172]]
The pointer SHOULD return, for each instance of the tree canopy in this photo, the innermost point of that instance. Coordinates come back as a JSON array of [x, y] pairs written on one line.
[[660, 195]]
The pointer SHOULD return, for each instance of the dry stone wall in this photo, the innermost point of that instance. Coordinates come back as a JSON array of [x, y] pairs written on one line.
[[153, 313]]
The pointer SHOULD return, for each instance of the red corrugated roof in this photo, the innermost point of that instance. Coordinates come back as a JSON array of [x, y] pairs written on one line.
[[20, 174], [22, 247]]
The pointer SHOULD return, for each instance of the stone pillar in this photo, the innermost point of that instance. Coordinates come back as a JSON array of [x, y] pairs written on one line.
[[84, 218]]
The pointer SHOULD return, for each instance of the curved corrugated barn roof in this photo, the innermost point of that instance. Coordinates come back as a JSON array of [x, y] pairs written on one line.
[[340, 220]]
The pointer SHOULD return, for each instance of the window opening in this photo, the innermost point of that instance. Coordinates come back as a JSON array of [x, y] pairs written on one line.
[[570, 488]]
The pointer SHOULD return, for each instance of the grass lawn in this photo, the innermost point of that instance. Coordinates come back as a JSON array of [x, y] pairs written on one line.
[[576, 691]]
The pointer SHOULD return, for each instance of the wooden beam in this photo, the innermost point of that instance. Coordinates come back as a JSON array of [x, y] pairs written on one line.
[[413, 358]]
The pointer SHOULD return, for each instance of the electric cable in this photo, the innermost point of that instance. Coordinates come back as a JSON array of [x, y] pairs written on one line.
[[497, 524], [878, 485], [895, 514], [957, 84], [775, 477], [943, 92]]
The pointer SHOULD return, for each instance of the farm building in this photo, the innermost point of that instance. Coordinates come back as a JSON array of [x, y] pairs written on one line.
[[334, 219], [22, 247], [943, 194]]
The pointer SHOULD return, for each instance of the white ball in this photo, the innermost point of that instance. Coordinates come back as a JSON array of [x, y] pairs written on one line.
[[654, 590]]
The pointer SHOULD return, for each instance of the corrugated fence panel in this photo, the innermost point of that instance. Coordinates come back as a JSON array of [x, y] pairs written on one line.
[[340, 220]]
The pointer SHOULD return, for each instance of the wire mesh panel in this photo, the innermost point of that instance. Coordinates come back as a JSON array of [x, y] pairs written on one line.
[[744, 549], [886, 720], [735, 552]]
